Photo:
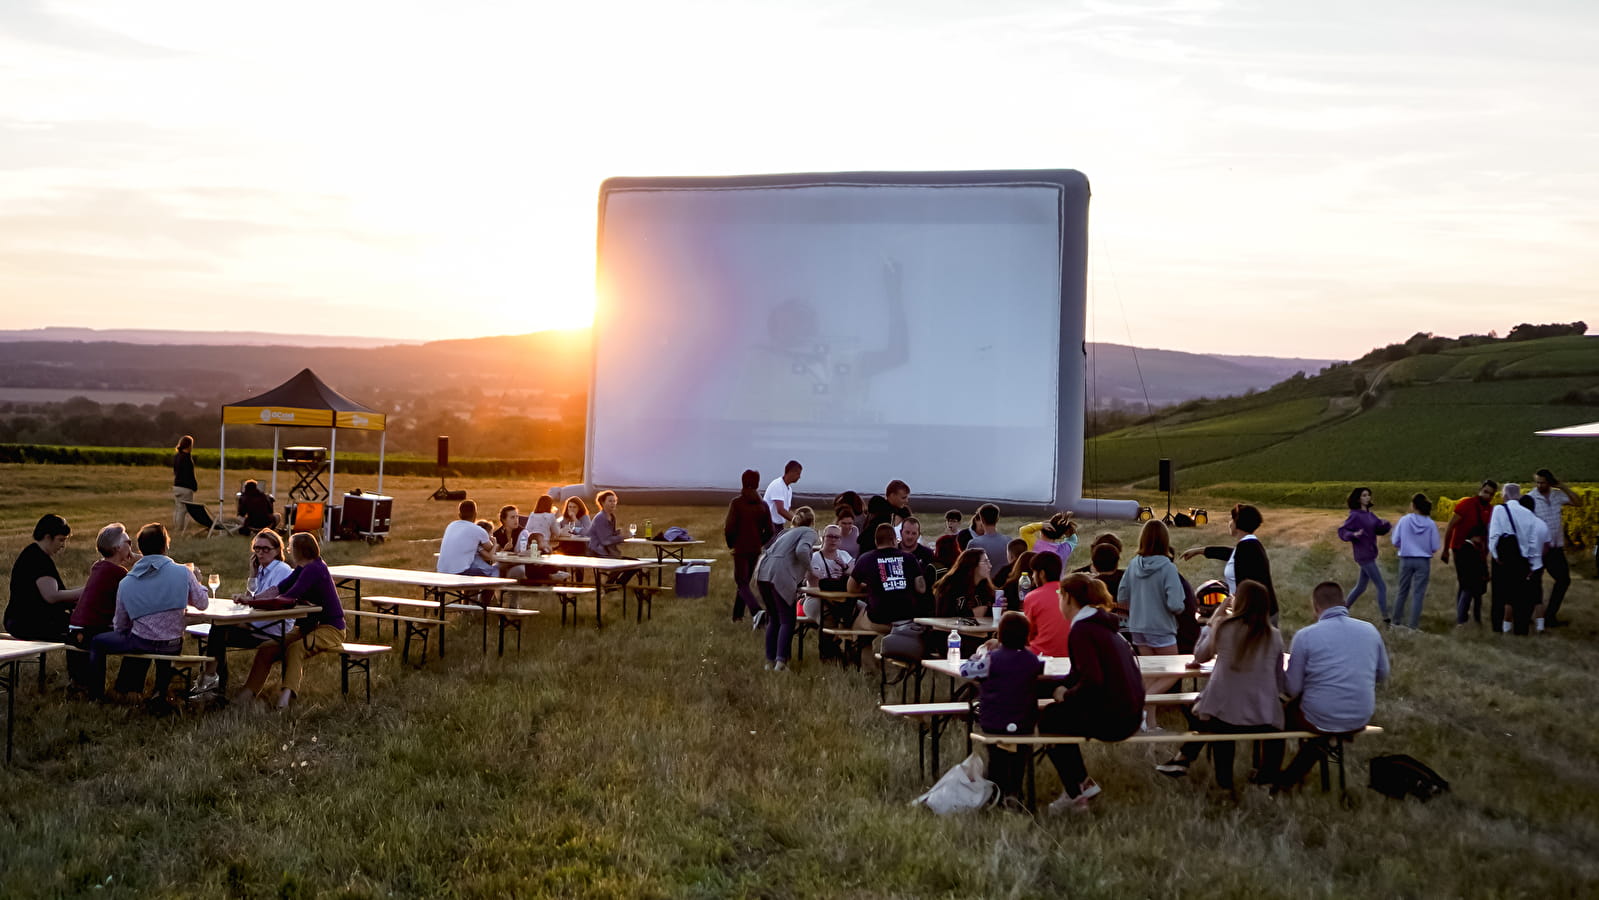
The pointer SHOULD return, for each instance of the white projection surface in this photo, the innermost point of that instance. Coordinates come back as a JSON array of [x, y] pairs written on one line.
[[869, 331]]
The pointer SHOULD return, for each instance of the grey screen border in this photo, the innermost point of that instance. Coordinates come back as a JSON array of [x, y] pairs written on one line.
[[1073, 193]]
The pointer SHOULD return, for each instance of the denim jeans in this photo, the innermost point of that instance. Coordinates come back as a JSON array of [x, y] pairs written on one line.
[[1414, 573], [1370, 574], [779, 623], [130, 678]]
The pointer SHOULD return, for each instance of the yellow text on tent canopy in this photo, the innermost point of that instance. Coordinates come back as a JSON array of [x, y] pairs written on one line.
[[308, 418]]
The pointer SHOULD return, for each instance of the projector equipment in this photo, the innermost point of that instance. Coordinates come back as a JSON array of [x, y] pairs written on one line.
[[305, 454], [444, 492]]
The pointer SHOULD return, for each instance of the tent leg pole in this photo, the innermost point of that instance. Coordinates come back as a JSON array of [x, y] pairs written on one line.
[[383, 439], [333, 460], [275, 451], [222, 465]]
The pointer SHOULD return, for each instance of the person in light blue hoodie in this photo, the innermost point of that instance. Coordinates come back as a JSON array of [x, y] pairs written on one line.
[[1152, 592], [1416, 539], [151, 600]]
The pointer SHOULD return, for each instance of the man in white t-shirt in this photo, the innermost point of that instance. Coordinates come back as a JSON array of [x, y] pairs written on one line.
[[466, 549], [1548, 498], [779, 495]]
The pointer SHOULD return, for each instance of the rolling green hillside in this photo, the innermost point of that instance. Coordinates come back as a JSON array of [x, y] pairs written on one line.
[[1459, 415]]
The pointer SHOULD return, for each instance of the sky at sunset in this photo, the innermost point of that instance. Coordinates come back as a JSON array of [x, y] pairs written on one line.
[[1285, 178]]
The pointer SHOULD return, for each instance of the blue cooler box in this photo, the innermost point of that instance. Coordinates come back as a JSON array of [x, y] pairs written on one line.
[[693, 581]]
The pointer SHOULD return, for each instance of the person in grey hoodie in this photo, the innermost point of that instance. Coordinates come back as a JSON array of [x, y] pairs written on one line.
[[1416, 539], [1152, 592], [151, 601], [779, 573]]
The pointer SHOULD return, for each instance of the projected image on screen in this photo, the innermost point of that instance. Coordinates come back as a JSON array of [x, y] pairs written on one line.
[[871, 331]]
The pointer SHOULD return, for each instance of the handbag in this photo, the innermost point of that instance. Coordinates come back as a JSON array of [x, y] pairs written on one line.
[[961, 788]]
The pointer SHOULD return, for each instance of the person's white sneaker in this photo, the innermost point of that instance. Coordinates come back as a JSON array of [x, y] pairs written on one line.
[[780, 666], [766, 666], [1538, 624], [1504, 627], [1066, 803]]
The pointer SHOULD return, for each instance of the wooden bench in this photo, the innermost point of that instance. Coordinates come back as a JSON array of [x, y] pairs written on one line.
[[566, 595], [509, 617], [166, 665], [854, 640], [1334, 746], [932, 718], [354, 657], [643, 596], [415, 627]]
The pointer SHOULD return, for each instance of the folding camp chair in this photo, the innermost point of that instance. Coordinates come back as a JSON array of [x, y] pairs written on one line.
[[202, 517]]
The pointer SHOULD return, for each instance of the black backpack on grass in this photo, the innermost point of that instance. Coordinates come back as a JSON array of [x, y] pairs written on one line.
[[1398, 776]]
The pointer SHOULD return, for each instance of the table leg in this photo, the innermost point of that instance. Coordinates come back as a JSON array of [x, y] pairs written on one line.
[[599, 597], [438, 596], [8, 681]]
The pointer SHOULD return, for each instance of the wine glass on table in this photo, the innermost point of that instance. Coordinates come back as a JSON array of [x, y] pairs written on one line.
[[215, 581], [632, 530]]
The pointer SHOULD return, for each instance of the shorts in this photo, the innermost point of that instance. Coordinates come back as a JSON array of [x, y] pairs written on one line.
[[1157, 641]]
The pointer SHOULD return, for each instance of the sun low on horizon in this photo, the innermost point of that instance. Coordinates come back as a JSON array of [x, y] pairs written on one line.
[[432, 173]]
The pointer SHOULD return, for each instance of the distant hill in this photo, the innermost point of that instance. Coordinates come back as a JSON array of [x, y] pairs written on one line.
[[1462, 414], [207, 365]]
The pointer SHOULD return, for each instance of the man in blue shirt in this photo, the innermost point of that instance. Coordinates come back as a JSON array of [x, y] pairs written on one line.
[[1334, 666]]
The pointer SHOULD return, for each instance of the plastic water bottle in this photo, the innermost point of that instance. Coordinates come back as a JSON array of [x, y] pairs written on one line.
[[1025, 582], [954, 645], [999, 606]]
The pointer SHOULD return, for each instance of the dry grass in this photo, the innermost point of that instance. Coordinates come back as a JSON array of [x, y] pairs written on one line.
[[661, 761]]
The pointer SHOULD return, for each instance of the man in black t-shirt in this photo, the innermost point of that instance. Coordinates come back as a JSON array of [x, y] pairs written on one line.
[[40, 603], [891, 579]]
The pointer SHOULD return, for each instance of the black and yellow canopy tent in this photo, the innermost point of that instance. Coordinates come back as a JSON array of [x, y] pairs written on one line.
[[304, 401]]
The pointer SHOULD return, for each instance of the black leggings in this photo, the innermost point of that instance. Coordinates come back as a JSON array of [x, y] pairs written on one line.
[[1222, 752]]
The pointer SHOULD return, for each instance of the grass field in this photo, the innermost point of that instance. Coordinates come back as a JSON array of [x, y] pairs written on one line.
[[660, 761]]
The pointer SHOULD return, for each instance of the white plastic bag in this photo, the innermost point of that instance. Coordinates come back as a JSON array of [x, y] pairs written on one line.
[[961, 788]]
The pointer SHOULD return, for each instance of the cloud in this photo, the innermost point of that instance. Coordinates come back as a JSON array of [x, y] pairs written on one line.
[[32, 22]]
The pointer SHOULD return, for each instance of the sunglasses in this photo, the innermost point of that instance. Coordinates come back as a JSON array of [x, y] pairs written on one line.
[[264, 549]]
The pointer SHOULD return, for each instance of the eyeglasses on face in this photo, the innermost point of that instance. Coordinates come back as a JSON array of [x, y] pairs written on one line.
[[263, 548]]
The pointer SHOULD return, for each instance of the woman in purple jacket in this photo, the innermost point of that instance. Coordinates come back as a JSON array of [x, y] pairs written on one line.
[[1361, 530]]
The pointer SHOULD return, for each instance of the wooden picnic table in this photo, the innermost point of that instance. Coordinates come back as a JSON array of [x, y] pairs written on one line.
[[227, 613], [1153, 668], [12, 652], [436, 586], [599, 565], [981, 626], [664, 550]]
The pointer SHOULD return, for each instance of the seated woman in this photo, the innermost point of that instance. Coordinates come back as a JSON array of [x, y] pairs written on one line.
[[1020, 581], [540, 531], [316, 632], [1244, 689], [574, 521], [1102, 697], [965, 591], [256, 509], [1006, 673], [40, 603], [266, 569]]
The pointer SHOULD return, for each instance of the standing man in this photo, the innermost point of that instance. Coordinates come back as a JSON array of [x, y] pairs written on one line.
[[1470, 519], [990, 540], [1516, 582], [1547, 499], [780, 495]]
